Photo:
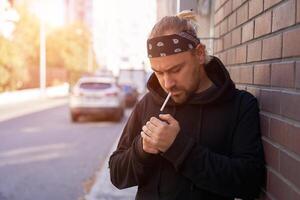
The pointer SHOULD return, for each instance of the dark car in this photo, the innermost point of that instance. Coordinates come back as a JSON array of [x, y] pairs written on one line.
[[131, 94]]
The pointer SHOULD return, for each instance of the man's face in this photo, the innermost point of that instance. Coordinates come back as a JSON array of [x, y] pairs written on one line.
[[178, 74]]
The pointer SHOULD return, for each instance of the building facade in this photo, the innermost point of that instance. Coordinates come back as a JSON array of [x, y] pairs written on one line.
[[259, 42]]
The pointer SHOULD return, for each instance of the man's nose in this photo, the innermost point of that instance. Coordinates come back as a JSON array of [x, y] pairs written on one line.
[[169, 83]]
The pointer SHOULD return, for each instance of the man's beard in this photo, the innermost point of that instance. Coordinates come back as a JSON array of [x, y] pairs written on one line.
[[184, 94]]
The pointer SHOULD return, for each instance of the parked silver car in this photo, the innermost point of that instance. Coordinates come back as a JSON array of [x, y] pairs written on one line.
[[97, 96]]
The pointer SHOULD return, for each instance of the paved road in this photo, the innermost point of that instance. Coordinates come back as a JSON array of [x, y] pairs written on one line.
[[45, 156]]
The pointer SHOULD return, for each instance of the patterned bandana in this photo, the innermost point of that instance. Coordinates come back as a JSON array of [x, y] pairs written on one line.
[[171, 44]]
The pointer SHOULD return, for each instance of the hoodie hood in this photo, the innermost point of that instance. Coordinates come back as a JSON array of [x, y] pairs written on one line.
[[222, 90]]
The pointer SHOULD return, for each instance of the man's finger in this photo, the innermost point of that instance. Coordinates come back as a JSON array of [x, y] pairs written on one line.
[[147, 138], [167, 117], [147, 131], [156, 122], [151, 126]]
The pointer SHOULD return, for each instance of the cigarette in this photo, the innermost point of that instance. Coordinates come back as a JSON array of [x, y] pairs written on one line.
[[164, 104]]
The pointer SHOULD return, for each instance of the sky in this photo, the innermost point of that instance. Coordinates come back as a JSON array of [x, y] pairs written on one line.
[[120, 32], [53, 11], [120, 29]]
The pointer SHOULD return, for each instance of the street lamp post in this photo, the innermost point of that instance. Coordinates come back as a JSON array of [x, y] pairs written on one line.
[[90, 57], [42, 52]]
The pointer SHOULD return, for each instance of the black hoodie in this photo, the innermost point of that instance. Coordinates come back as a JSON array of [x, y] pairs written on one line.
[[217, 154]]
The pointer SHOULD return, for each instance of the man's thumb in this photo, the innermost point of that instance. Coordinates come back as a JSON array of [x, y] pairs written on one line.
[[167, 118]]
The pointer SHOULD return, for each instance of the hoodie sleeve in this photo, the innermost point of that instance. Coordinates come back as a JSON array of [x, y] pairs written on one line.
[[239, 175], [130, 164]]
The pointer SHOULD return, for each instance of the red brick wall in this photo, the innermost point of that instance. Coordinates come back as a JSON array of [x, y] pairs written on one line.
[[259, 41]]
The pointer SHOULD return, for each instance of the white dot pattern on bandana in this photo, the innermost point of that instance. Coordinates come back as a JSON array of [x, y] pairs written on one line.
[[150, 46], [160, 44], [175, 41], [150, 56], [190, 46], [163, 54], [177, 50]]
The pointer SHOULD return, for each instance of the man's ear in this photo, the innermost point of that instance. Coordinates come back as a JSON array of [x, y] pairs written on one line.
[[200, 53]]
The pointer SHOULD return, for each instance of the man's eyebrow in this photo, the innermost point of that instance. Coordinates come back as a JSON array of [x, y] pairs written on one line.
[[171, 68]]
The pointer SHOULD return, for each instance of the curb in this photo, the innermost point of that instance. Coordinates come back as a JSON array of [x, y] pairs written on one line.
[[103, 189]]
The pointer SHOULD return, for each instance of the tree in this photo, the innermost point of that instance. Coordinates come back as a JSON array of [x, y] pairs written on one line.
[[19, 52], [68, 47]]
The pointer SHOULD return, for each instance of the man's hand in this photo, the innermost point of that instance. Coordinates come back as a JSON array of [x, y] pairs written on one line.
[[159, 135], [147, 147]]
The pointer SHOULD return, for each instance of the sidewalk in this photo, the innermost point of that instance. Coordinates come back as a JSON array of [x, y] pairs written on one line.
[[18, 103], [103, 189]]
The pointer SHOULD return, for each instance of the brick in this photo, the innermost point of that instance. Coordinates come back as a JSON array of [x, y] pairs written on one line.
[[231, 56], [272, 47], [242, 14], [255, 7], [298, 11], [217, 31], [289, 106], [224, 27], [237, 3], [284, 15], [297, 81], [246, 74], [236, 36], [227, 7], [282, 74], [232, 21], [289, 167], [235, 74], [264, 195], [277, 187], [247, 33], [294, 139], [223, 57], [270, 101], [215, 47], [285, 134], [265, 125], [295, 195], [262, 74], [219, 15], [270, 3], [218, 45], [263, 24], [291, 42], [254, 51], [271, 154], [218, 4], [227, 41], [241, 54], [279, 131]]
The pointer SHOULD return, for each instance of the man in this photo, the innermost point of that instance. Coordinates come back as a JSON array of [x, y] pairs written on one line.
[[207, 143]]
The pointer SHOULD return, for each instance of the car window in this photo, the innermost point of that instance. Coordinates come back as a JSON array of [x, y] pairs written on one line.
[[95, 86]]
